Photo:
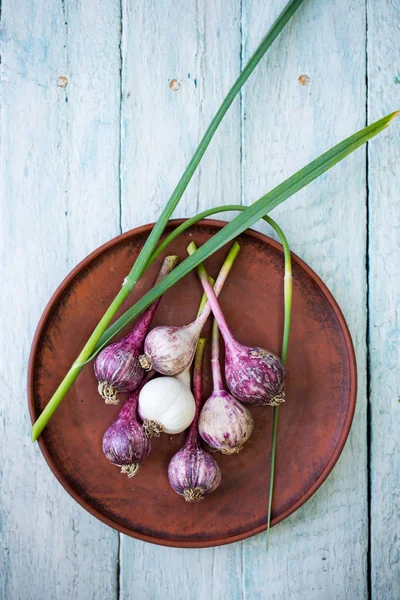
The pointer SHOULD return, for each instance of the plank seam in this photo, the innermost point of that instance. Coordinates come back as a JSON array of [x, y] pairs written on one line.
[[120, 117], [121, 65], [241, 104], [201, 51], [198, 67], [367, 332], [68, 164], [118, 569], [241, 144]]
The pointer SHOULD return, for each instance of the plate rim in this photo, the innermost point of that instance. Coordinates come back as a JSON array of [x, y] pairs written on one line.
[[176, 543]]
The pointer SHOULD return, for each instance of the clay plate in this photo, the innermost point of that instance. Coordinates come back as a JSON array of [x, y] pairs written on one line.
[[313, 424]]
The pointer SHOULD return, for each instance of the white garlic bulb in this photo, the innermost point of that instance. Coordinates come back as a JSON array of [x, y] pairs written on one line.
[[166, 404]]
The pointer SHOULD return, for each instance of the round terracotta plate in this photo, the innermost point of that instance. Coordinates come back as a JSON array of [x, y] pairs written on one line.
[[313, 423]]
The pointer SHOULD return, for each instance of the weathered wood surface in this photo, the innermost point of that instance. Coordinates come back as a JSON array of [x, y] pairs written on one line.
[[384, 300], [81, 163]]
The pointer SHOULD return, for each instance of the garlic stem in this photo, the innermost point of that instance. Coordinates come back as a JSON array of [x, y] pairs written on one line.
[[288, 285], [197, 386], [216, 290], [213, 303], [287, 294], [204, 298], [184, 376], [215, 365], [143, 323], [170, 349], [197, 382]]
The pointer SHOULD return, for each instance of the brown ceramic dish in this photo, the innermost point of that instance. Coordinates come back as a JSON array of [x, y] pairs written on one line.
[[314, 421]]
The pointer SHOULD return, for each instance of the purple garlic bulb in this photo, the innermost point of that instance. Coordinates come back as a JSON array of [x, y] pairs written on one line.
[[117, 367], [254, 375], [124, 443], [193, 472], [224, 423], [170, 350]]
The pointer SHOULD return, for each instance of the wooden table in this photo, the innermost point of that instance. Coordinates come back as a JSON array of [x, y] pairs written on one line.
[[102, 106]]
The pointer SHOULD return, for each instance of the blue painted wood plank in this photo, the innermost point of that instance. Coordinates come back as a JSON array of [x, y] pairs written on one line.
[[59, 191], [384, 299], [309, 94], [179, 60]]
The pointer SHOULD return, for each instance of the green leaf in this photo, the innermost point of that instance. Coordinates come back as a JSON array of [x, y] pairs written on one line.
[[144, 257], [250, 216], [147, 250]]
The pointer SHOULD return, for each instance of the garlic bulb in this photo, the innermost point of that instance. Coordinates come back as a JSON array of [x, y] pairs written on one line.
[[117, 366], [253, 375], [224, 423], [167, 405], [193, 472], [170, 350], [124, 443]]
